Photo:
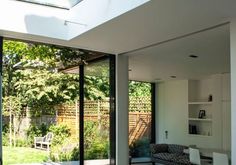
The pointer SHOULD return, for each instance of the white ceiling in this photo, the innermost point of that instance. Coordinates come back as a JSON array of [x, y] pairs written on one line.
[[172, 58], [158, 21], [161, 20]]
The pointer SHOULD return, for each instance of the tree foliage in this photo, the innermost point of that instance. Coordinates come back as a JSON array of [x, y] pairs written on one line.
[[30, 76], [139, 89], [42, 90]]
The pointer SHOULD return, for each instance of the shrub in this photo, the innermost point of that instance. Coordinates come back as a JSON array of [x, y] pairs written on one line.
[[140, 148], [36, 131], [5, 135], [97, 150], [62, 146], [60, 133], [20, 142], [96, 141], [5, 128], [5, 139], [75, 154], [67, 150]]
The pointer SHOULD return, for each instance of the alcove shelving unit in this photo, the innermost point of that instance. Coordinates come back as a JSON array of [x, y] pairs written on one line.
[[200, 102]]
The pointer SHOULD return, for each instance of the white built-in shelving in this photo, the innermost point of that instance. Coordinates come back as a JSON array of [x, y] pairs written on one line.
[[199, 92]]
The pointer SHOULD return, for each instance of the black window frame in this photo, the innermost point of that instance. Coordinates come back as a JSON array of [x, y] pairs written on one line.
[[112, 83]]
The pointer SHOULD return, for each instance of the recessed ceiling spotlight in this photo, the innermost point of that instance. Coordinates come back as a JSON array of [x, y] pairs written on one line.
[[193, 56], [172, 76]]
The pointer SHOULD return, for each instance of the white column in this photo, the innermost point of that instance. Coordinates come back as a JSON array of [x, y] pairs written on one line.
[[122, 138], [233, 89]]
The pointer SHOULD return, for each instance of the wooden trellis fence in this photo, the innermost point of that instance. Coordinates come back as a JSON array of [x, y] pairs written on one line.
[[98, 111]]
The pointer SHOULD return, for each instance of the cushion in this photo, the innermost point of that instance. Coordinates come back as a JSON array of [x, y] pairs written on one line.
[[158, 148], [181, 159], [175, 148], [175, 158], [165, 156]]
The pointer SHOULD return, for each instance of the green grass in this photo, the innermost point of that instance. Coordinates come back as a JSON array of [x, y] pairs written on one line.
[[17, 155]]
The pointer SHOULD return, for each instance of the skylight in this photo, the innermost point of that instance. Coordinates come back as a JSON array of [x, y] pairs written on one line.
[[67, 4]]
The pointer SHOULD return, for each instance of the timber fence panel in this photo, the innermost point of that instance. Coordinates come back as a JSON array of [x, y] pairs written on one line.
[[98, 111]]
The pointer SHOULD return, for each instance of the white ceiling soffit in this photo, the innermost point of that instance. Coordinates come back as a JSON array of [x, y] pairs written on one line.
[[160, 62], [25, 18], [42, 23], [90, 14], [156, 21]]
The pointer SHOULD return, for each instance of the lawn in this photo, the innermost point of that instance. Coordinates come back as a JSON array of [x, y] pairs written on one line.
[[17, 155]]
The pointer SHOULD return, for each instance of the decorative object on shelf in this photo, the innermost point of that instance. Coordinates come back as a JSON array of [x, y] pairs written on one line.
[[202, 114], [210, 98], [192, 129]]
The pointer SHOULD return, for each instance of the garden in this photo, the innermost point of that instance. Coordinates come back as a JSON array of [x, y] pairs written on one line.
[[33, 88]]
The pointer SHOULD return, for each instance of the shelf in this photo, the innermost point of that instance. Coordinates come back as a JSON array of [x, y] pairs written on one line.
[[199, 102], [197, 119], [199, 135]]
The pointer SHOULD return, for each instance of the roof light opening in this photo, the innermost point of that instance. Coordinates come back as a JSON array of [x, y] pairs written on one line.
[[65, 4]]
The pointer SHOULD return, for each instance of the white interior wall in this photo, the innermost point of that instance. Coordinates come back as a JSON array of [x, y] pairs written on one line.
[[172, 108], [122, 102], [226, 112], [233, 88], [172, 113]]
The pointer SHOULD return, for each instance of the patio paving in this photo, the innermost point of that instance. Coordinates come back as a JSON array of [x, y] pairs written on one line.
[[87, 162], [136, 161]]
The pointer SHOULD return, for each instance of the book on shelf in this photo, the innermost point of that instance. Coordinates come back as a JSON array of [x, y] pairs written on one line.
[[192, 129]]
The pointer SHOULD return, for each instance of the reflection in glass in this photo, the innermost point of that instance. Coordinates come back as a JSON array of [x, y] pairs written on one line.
[[40, 110], [139, 119], [96, 112]]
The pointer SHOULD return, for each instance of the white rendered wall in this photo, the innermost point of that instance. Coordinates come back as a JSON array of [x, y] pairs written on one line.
[[172, 108], [122, 102], [233, 89], [172, 114]]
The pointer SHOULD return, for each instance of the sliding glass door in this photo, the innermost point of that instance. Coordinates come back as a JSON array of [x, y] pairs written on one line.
[[58, 104], [98, 111], [141, 119]]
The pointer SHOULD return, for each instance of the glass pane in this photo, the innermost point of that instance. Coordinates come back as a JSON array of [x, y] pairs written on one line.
[[96, 113], [139, 120], [40, 109], [56, 3]]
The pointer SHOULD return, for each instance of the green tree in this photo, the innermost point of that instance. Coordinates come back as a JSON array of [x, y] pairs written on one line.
[[139, 89], [42, 90], [13, 52]]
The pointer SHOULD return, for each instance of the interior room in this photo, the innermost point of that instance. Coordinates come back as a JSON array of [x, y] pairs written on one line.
[[192, 75], [188, 71]]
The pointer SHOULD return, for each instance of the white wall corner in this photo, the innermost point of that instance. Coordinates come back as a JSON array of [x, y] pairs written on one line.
[[122, 113], [233, 88]]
